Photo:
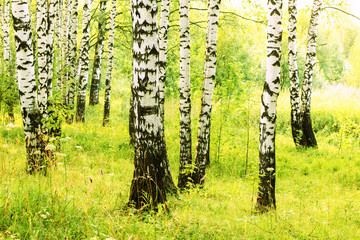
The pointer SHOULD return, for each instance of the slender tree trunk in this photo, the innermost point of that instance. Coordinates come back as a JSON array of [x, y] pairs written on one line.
[[308, 137], [57, 57], [84, 63], [266, 197], [185, 96], [162, 65], [294, 75], [147, 186], [42, 26], [10, 89], [27, 85], [50, 45], [65, 49], [72, 38], [203, 139], [99, 49], [109, 64]]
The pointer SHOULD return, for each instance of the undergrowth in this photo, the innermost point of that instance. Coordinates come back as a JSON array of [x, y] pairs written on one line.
[[83, 197]]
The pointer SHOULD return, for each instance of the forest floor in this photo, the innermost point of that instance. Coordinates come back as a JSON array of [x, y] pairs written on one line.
[[83, 197]]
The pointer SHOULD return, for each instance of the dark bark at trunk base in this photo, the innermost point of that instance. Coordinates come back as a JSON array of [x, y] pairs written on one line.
[[296, 131], [308, 138], [147, 186], [266, 195], [185, 180]]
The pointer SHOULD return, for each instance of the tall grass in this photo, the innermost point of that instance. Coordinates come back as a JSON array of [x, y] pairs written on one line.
[[83, 197]]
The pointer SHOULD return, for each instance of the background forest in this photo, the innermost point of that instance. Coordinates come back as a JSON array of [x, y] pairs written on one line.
[[85, 192]]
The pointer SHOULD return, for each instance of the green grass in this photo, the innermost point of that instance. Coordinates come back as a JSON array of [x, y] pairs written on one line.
[[317, 189]]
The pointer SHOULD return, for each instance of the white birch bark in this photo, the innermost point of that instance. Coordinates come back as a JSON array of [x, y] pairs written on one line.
[[185, 95], [42, 25], [109, 64], [149, 171], [27, 84], [203, 139], [6, 36], [266, 195], [308, 137], [99, 49], [294, 74], [58, 44], [162, 66], [84, 63], [9, 88], [50, 44], [72, 38], [65, 49]]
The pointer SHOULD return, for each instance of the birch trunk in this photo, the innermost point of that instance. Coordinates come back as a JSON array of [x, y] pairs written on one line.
[[27, 85], [147, 187], [50, 45], [99, 49], [109, 64], [266, 195], [294, 74], [42, 25], [72, 38], [65, 49], [203, 139], [185, 96], [84, 63], [9, 94], [58, 26], [308, 137], [162, 65]]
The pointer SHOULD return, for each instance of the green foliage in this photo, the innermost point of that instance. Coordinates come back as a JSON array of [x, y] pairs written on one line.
[[83, 197]]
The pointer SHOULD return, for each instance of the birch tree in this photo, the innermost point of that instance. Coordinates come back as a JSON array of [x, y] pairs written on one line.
[[109, 64], [185, 96], [308, 137], [294, 74], [72, 59], [65, 47], [50, 45], [203, 138], [162, 66], [84, 63], [9, 83], [147, 186], [266, 195], [27, 85], [99, 49], [42, 98]]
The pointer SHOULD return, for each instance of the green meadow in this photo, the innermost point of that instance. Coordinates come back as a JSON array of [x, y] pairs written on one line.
[[85, 194]]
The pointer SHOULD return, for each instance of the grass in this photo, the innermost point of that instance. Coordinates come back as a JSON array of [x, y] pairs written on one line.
[[83, 197]]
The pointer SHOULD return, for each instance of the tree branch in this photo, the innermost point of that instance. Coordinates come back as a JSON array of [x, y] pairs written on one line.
[[343, 11]]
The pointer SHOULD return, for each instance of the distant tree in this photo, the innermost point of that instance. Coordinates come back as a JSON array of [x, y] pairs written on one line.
[[308, 137], [185, 96], [84, 63], [266, 195], [99, 49], [147, 186], [27, 86], [9, 89], [203, 138], [294, 75], [65, 46], [72, 58], [109, 64]]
